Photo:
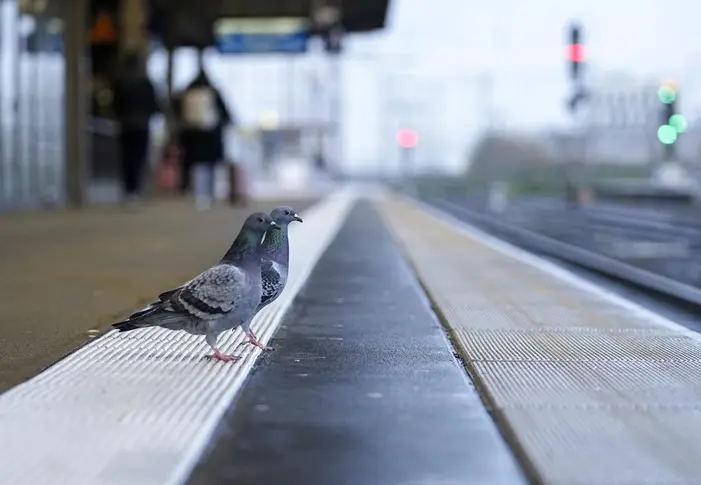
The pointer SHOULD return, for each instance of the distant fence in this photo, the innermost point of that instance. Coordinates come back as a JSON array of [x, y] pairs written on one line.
[[523, 180], [552, 179]]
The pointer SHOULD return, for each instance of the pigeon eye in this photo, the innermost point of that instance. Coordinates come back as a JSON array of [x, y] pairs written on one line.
[[287, 213], [260, 219]]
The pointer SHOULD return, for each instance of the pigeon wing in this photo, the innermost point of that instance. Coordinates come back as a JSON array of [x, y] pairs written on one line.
[[271, 283], [167, 294], [211, 295]]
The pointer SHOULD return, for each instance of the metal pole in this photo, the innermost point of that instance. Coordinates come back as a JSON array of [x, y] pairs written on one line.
[[670, 149], [407, 162], [485, 107], [5, 184], [290, 85], [576, 144], [200, 59], [336, 109], [485, 95], [17, 145], [170, 116], [570, 186], [76, 102], [37, 126], [670, 152], [386, 169], [169, 72]]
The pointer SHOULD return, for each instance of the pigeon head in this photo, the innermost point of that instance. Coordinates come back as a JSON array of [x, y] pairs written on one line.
[[248, 242], [259, 223], [284, 214]]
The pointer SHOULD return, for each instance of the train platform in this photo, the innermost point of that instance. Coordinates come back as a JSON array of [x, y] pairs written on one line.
[[410, 348], [69, 274]]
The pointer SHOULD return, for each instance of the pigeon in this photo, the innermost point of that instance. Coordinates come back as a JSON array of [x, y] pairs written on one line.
[[275, 261], [218, 299], [275, 258]]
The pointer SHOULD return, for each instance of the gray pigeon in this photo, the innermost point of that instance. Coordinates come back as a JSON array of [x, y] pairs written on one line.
[[275, 261], [221, 298]]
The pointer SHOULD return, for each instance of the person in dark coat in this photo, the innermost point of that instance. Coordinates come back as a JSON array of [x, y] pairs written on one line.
[[202, 116], [134, 103]]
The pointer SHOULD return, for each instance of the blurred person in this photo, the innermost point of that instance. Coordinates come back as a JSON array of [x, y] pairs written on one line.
[[202, 117], [134, 104], [238, 185]]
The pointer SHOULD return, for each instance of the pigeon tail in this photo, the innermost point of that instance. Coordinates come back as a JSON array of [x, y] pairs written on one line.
[[125, 326], [148, 309], [162, 298], [149, 317]]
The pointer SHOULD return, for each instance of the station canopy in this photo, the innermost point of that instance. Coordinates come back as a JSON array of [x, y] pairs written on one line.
[[189, 23]]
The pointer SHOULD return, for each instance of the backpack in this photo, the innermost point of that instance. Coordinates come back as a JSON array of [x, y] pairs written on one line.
[[199, 108]]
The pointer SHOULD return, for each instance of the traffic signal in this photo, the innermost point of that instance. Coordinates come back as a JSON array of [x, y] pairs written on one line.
[[576, 54], [667, 93], [407, 138], [672, 123], [678, 122], [578, 97]]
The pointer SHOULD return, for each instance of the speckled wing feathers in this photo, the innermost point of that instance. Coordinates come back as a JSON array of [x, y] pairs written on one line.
[[271, 282], [210, 295]]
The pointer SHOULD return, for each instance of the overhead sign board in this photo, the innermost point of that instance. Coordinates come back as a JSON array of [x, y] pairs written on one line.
[[284, 35]]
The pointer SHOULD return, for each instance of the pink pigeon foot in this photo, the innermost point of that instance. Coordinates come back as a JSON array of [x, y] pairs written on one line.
[[253, 340], [223, 357]]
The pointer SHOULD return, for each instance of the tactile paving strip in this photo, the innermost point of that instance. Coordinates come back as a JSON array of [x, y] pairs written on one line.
[[576, 385], [593, 389], [576, 345], [138, 408]]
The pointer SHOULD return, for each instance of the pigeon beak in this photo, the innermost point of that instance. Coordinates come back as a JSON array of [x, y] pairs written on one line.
[[274, 225], [297, 218]]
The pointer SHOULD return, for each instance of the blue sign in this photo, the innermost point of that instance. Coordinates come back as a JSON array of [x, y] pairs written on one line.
[[258, 36], [261, 43]]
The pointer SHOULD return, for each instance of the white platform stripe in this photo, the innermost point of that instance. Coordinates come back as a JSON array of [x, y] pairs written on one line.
[[139, 407]]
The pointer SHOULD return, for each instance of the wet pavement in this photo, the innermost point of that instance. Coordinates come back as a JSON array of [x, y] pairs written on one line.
[[363, 387], [67, 275]]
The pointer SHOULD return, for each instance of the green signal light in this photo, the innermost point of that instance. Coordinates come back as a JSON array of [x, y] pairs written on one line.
[[678, 122], [667, 94], [666, 134]]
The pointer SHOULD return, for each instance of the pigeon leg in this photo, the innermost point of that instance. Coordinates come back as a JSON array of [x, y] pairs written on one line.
[[252, 336], [253, 340], [212, 342]]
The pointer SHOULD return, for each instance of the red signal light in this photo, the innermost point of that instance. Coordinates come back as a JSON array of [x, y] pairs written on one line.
[[576, 53], [407, 138]]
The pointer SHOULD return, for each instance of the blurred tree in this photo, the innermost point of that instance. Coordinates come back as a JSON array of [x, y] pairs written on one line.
[[507, 157]]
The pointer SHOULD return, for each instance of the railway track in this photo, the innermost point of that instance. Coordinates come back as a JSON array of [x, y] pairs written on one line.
[[658, 254]]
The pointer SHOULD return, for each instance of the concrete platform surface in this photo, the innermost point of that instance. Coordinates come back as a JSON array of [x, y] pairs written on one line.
[[69, 274], [591, 388]]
